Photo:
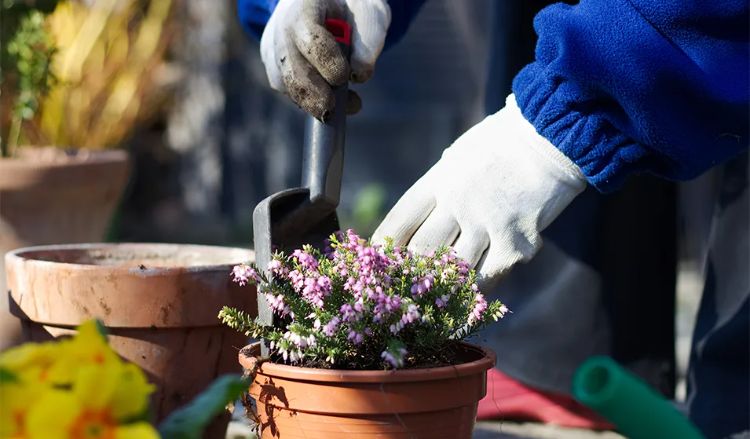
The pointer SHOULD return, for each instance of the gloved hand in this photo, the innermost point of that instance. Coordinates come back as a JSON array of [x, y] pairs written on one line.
[[302, 58], [490, 195]]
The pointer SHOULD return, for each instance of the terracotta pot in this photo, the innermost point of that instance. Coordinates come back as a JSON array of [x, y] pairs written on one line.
[[50, 196], [159, 302], [298, 402]]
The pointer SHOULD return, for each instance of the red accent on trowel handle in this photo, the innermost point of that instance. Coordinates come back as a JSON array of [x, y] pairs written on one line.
[[340, 29]]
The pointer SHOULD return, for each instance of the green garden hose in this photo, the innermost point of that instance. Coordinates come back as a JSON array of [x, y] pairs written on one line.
[[627, 402]]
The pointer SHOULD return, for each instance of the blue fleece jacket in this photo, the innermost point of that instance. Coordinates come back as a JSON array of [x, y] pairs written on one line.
[[626, 86]]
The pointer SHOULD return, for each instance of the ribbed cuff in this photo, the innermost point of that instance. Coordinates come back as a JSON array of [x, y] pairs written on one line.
[[569, 120]]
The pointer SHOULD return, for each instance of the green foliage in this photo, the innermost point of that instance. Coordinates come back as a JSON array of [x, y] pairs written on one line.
[[241, 322], [190, 421], [7, 376], [32, 49]]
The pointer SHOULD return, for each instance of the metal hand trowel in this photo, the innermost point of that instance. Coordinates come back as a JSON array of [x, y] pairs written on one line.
[[291, 218]]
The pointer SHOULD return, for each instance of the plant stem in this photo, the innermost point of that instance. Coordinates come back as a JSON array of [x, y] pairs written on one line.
[[13, 135]]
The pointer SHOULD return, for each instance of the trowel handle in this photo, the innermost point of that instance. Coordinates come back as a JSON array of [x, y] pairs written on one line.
[[323, 159]]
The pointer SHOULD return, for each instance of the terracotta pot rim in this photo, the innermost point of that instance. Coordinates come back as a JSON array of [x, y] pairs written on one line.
[[91, 157], [27, 254], [487, 361]]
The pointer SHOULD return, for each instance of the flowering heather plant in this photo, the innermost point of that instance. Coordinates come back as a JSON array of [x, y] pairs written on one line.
[[363, 306]]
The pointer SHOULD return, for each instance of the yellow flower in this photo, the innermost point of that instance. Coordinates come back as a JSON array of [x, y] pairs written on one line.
[[56, 362], [15, 399], [31, 361], [76, 388], [88, 347], [102, 399]]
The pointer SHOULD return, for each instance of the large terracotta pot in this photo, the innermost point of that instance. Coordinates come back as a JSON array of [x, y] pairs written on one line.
[[430, 403], [52, 196], [159, 303]]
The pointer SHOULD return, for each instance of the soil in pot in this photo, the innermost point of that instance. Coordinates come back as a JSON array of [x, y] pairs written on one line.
[[299, 402]]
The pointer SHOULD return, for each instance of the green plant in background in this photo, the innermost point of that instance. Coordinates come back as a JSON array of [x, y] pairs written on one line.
[[32, 51], [368, 209]]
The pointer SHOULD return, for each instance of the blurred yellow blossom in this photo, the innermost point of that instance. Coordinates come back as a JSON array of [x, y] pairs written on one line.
[[73, 388]]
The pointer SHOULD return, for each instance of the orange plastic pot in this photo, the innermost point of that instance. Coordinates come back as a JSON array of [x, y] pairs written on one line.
[[297, 402], [159, 303]]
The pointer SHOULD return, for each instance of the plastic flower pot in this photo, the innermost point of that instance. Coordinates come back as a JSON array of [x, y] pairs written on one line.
[[300, 402], [159, 303], [52, 196]]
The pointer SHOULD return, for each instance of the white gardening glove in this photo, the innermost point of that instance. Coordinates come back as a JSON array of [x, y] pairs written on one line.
[[302, 58], [491, 193]]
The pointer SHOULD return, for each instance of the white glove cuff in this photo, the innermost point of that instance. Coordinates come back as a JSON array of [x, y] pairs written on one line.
[[544, 149]]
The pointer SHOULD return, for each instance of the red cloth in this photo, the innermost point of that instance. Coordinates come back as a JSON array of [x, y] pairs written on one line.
[[508, 399]]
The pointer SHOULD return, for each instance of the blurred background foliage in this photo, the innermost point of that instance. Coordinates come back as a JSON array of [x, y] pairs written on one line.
[[106, 65]]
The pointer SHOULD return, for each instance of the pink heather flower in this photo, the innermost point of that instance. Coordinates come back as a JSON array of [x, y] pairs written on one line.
[[243, 273], [394, 357], [442, 301], [316, 288], [306, 260], [355, 337], [480, 306], [348, 314], [330, 328], [277, 304], [342, 269], [297, 279], [392, 303], [359, 306], [503, 310], [422, 285], [300, 340], [277, 268], [411, 314]]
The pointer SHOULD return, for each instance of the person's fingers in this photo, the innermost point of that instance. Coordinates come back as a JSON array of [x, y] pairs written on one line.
[[370, 20], [318, 45], [498, 260], [440, 228], [270, 62], [353, 103], [303, 83], [471, 245], [406, 216]]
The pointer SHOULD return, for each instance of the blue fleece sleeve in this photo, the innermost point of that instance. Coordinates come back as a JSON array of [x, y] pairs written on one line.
[[254, 14], [629, 86]]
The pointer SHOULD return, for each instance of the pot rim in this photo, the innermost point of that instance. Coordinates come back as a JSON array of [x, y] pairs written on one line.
[[487, 361], [83, 157], [24, 255]]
